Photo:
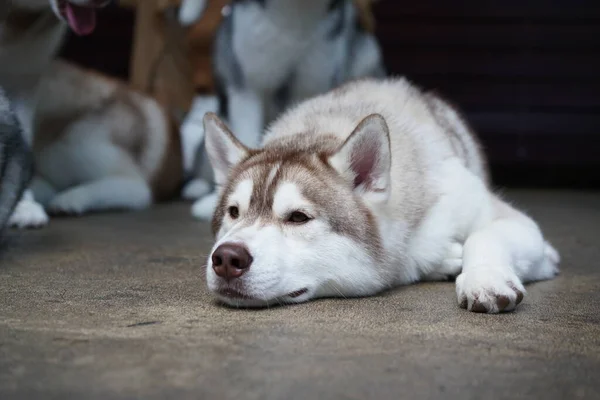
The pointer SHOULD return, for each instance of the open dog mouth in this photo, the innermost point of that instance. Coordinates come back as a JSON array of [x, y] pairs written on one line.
[[81, 19], [234, 294]]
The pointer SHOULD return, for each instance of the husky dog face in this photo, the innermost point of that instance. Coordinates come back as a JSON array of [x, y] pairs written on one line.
[[294, 220], [79, 14]]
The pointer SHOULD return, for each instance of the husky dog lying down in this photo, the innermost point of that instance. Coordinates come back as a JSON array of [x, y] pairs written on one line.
[[370, 186]]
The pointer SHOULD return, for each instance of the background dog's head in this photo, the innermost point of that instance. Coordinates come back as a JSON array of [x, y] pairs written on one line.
[[294, 220], [80, 15]]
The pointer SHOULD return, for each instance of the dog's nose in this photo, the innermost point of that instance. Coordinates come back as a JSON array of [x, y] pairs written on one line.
[[231, 260]]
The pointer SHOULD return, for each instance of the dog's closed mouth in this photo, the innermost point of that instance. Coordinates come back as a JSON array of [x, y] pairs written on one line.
[[298, 293], [234, 294]]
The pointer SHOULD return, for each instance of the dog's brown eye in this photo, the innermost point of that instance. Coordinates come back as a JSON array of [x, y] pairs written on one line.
[[298, 217], [234, 212]]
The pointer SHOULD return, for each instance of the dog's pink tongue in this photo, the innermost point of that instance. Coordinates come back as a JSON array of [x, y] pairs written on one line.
[[81, 19]]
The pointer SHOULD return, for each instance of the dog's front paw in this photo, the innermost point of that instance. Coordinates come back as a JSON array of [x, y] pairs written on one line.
[[488, 291], [28, 214], [67, 203], [205, 207]]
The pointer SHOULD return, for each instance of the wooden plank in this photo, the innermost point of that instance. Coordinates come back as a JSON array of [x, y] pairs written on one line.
[[147, 44], [160, 64], [200, 38]]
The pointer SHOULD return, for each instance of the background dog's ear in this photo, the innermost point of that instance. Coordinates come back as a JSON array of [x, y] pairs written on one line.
[[223, 148], [365, 157]]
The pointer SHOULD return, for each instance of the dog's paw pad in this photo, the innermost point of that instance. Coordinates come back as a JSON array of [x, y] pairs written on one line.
[[487, 293], [204, 208], [195, 189], [28, 214]]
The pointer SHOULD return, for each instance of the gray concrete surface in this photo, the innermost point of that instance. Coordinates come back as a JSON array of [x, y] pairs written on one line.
[[115, 307]]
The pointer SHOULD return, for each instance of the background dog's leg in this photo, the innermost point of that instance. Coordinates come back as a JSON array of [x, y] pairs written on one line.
[[192, 143], [498, 258], [246, 115], [28, 213], [191, 11], [42, 190], [246, 118], [128, 193], [195, 189], [205, 207]]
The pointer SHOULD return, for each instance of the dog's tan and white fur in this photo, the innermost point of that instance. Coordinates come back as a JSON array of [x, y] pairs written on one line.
[[98, 145], [373, 185]]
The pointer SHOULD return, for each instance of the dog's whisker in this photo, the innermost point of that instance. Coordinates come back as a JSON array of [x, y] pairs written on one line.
[[264, 297], [335, 288]]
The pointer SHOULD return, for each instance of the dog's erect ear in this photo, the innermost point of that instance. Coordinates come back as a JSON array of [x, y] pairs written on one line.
[[365, 157], [223, 148]]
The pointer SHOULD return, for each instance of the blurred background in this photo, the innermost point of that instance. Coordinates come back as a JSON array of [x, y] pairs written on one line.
[[526, 73]]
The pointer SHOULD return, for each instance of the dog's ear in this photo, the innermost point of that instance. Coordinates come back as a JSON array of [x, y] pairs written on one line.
[[365, 157], [223, 148]]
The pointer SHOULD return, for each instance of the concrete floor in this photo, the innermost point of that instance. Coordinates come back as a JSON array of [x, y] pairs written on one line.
[[115, 307]]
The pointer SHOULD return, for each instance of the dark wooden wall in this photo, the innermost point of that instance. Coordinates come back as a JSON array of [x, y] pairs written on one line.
[[109, 48], [526, 73]]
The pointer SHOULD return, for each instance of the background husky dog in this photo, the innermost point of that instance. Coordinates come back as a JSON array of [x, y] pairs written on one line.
[[98, 145], [270, 54], [372, 185], [15, 161]]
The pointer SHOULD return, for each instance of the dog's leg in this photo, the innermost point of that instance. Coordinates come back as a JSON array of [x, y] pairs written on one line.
[[450, 266], [192, 138], [42, 190], [195, 189], [205, 207], [112, 193], [500, 257], [191, 11], [246, 115], [28, 213]]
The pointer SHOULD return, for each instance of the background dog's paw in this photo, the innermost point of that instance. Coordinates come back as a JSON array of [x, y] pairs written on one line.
[[205, 207], [195, 189], [67, 203], [488, 291], [28, 214]]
